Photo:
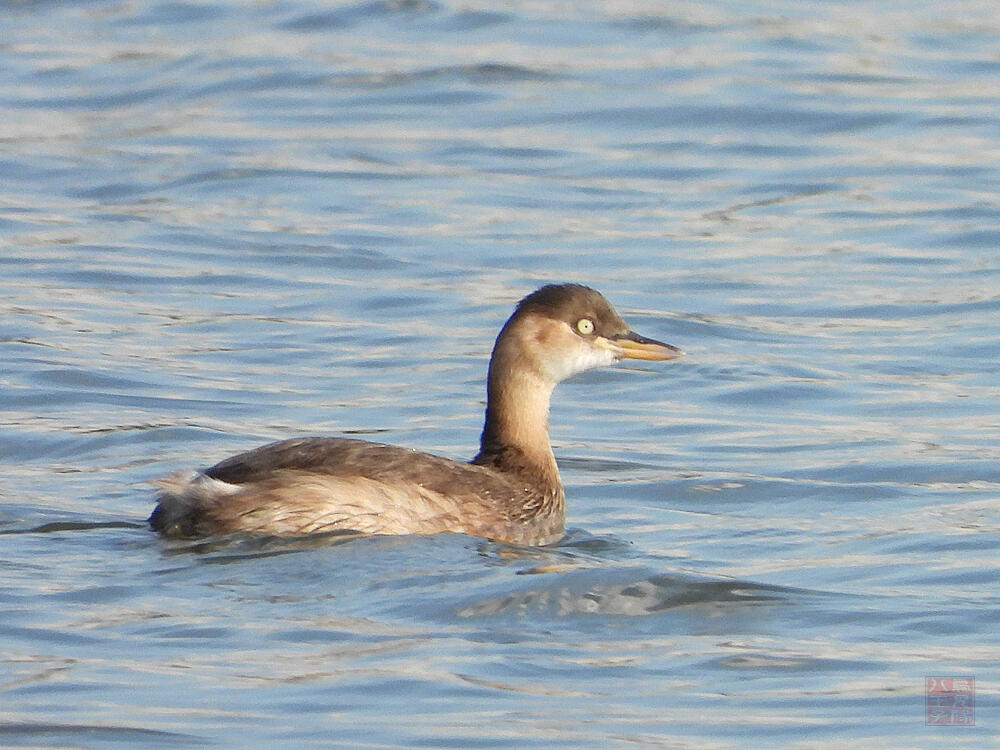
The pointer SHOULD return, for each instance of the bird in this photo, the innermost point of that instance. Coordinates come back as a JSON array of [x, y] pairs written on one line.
[[510, 492]]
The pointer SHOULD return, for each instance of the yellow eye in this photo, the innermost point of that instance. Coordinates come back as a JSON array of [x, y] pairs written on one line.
[[585, 326]]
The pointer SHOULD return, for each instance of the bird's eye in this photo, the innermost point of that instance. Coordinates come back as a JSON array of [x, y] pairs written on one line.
[[585, 326]]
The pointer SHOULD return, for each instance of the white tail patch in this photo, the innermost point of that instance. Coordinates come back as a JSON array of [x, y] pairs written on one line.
[[193, 485], [187, 492]]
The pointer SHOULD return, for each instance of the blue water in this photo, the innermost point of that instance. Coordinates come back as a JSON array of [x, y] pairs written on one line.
[[226, 223]]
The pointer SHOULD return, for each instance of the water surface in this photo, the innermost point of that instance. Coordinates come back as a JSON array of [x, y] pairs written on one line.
[[222, 224]]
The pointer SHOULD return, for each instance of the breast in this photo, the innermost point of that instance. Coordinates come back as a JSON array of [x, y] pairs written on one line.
[[312, 485]]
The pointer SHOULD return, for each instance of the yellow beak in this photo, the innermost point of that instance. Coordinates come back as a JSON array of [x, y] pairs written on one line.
[[633, 346]]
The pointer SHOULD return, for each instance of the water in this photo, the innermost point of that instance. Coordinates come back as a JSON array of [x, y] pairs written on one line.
[[226, 223]]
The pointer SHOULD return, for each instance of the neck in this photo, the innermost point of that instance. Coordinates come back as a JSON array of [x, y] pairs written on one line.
[[516, 434], [517, 427]]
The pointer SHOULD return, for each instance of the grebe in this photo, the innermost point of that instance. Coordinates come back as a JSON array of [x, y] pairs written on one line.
[[510, 492]]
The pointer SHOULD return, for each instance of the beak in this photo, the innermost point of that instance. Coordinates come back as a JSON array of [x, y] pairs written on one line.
[[633, 346]]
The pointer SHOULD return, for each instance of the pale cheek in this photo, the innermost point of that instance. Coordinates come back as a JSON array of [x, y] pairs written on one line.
[[585, 359]]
